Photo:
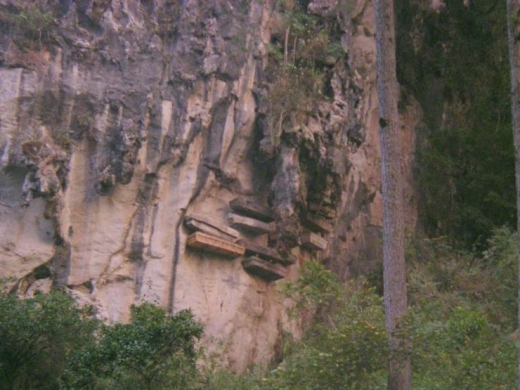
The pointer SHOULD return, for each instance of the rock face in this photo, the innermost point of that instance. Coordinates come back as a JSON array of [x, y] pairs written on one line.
[[126, 126]]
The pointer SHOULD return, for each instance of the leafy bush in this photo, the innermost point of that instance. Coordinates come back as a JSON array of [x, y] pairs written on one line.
[[460, 350], [347, 348], [50, 343], [153, 351], [463, 310], [461, 322], [500, 261], [30, 26], [37, 336], [443, 278], [455, 63], [218, 379], [315, 288], [462, 313], [350, 354]]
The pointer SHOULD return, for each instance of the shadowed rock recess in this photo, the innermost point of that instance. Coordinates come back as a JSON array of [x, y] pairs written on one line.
[[154, 151]]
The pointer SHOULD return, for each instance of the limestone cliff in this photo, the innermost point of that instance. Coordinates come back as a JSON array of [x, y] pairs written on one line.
[[126, 126]]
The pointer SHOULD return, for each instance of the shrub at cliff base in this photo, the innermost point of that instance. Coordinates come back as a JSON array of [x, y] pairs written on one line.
[[153, 351], [461, 327], [36, 337], [47, 342], [461, 323]]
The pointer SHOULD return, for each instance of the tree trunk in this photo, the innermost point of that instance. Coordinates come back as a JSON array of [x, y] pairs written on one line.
[[393, 227], [513, 30]]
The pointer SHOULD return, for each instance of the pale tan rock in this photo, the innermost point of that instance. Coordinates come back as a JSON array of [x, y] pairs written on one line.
[[26, 236], [149, 140]]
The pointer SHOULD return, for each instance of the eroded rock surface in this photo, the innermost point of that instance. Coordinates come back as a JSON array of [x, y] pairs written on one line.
[[129, 116]]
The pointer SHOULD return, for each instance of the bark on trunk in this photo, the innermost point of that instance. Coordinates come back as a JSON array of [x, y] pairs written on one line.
[[393, 227], [513, 29]]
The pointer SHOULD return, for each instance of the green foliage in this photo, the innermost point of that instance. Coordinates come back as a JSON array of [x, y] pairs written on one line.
[[500, 262], [218, 379], [38, 335], [347, 348], [461, 327], [316, 287], [30, 26], [463, 310], [462, 350], [299, 66], [153, 351], [441, 278], [50, 343], [455, 62], [476, 167], [462, 313], [348, 352]]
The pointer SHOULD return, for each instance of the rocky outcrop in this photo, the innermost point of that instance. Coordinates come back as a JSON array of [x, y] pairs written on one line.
[[126, 126]]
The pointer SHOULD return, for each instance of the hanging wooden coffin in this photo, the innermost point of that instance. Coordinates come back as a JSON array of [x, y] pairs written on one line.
[[214, 244], [264, 269]]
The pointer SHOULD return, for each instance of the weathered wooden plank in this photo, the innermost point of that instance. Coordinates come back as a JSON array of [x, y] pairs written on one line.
[[265, 252], [317, 223], [313, 241], [213, 244], [252, 209], [264, 269], [211, 226], [250, 225], [203, 227]]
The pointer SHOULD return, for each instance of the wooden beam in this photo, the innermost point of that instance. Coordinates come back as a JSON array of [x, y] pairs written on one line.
[[317, 223], [264, 269], [213, 244], [211, 226], [266, 253], [250, 225], [313, 241], [251, 209]]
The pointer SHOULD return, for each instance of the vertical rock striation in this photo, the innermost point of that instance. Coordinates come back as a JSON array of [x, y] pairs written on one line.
[[119, 119]]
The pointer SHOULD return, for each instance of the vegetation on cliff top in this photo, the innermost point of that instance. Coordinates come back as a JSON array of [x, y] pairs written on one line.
[[29, 26]]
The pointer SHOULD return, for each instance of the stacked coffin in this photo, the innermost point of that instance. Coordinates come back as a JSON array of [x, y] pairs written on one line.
[[268, 271], [212, 236], [251, 209], [207, 242], [322, 209], [268, 254], [317, 223], [250, 217], [317, 226], [256, 219], [317, 220], [313, 241], [250, 225]]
